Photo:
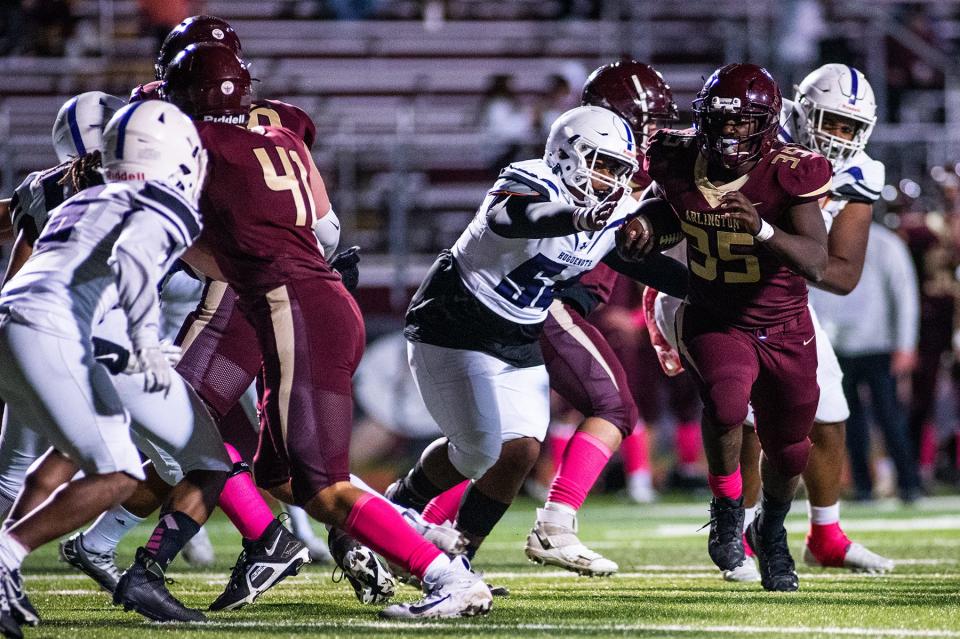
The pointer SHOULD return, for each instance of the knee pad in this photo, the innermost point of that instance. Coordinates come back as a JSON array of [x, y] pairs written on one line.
[[473, 459], [727, 403]]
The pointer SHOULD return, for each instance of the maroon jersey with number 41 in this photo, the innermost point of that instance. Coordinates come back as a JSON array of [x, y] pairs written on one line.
[[262, 197], [732, 276]]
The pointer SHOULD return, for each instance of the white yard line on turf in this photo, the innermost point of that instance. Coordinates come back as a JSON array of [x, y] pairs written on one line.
[[588, 628], [944, 522]]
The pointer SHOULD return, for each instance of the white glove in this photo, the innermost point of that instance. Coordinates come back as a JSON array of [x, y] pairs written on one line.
[[158, 375], [595, 217]]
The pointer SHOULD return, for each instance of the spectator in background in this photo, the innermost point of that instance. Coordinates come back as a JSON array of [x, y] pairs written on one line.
[[507, 123], [558, 99], [906, 70], [874, 332], [934, 263]]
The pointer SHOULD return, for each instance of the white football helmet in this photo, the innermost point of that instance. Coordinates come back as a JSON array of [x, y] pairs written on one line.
[[80, 121], [154, 140], [584, 137], [838, 89]]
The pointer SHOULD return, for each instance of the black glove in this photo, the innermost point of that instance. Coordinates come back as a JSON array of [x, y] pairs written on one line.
[[113, 356], [345, 263]]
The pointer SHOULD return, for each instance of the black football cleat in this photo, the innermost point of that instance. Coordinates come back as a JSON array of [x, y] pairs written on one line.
[[371, 579], [143, 588], [725, 543], [777, 570], [19, 605], [101, 567], [262, 564]]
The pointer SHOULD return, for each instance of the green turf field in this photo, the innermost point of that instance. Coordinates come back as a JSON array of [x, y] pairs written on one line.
[[667, 587]]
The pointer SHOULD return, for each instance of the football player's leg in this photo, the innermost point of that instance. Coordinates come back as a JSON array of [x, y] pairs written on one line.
[[723, 362], [456, 390], [584, 370], [82, 416], [20, 446], [785, 400], [310, 357]]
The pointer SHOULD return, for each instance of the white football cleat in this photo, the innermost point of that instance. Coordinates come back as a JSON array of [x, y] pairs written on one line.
[[554, 542], [858, 559], [457, 592], [443, 536], [745, 572], [198, 552]]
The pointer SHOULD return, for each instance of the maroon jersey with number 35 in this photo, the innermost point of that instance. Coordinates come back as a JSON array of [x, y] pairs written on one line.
[[262, 197], [734, 277]]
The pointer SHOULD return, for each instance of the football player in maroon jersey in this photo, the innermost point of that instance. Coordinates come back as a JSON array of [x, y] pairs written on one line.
[[583, 367], [308, 327], [220, 361], [747, 204]]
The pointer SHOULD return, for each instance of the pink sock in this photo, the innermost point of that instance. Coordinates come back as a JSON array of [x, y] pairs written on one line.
[[730, 486], [242, 504], [636, 455], [375, 523], [828, 543], [444, 506], [689, 443], [582, 462]]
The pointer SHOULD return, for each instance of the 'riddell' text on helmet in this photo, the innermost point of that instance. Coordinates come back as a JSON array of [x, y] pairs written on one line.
[[153, 140], [835, 91], [209, 83], [634, 91], [194, 30], [589, 145], [737, 94]]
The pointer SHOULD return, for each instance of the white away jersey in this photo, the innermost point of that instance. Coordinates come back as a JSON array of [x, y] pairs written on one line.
[[516, 277], [106, 246], [859, 179]]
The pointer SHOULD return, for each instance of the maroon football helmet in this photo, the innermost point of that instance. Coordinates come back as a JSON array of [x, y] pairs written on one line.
[[209, 83], [634, 91], [193, 30], [743, 94]]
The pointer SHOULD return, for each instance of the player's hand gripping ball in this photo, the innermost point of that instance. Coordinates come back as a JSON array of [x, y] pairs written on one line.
[[654, 226]]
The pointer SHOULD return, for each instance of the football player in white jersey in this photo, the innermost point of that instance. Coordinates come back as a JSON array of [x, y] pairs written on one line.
[[473, 326], [106, 246], [833, 113]]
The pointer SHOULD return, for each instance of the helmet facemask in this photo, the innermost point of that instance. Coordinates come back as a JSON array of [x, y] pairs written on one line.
[[831, 146], [736, 149], [594, 165]]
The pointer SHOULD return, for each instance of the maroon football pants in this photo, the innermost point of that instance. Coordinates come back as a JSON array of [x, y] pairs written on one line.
[[584, 370], [774, 368], [312, 336]]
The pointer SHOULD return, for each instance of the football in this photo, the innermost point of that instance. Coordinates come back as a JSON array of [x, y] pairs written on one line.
[[656, 216]]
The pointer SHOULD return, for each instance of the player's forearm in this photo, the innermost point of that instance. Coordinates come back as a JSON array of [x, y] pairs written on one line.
[[519, 219], [656, 271], [800, 253], [841, 276], [22, 250]]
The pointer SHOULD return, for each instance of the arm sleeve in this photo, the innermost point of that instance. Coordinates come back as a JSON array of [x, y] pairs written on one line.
[[904, 296], [141, 248], [656, 271], [327, 230]]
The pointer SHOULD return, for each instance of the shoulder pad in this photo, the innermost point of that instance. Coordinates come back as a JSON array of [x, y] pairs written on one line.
[[787, 131], [286, 115], [521, 177], [172, 207], [664, 145], [861, 181], [803, 174]]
